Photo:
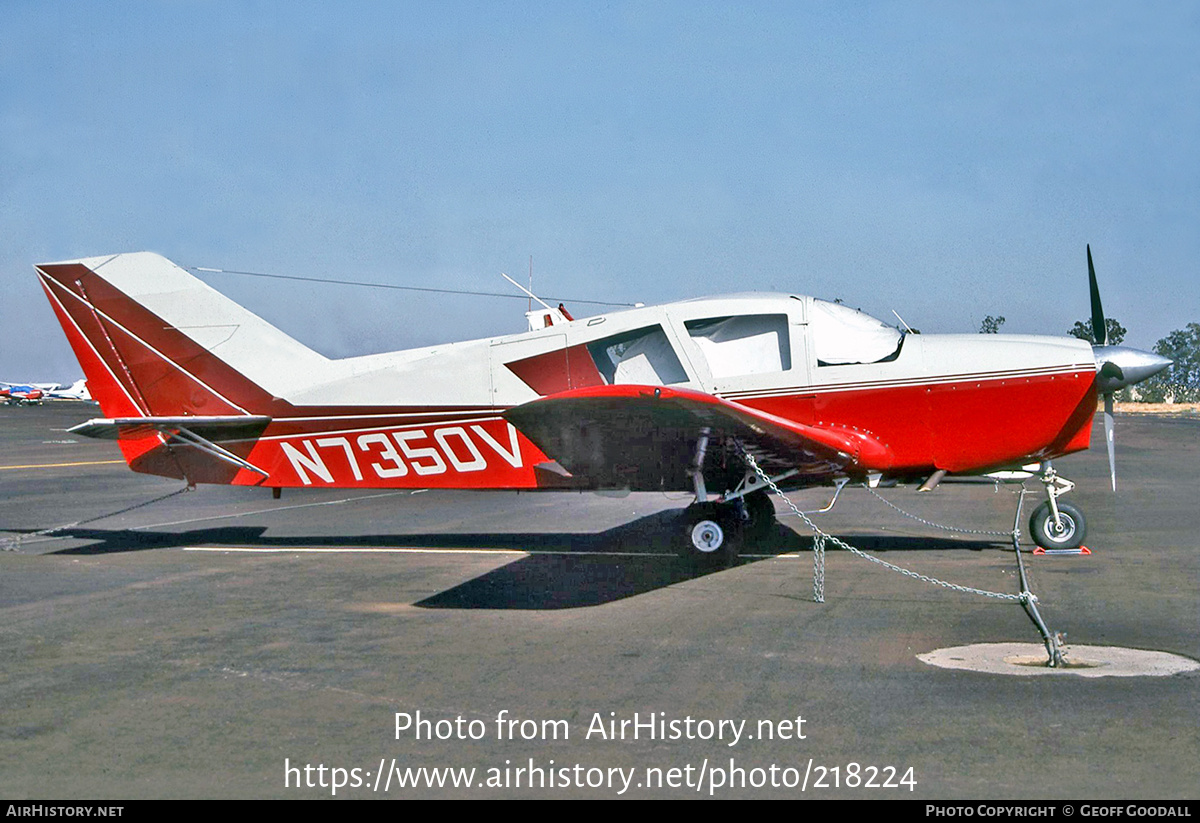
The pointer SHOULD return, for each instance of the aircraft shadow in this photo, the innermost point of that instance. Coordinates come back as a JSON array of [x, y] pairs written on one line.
[[562, 571], [564, 581]]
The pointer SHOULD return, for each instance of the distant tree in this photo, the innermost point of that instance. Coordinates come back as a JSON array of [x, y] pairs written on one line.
[[1083, 330], [991, 325], [1179, 382]]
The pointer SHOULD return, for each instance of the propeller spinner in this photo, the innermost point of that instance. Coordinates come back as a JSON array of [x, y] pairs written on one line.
[[1116, 366]]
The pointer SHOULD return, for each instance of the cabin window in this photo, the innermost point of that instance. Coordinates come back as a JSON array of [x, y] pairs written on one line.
[[642, 357], [842, 336], [743, 344]]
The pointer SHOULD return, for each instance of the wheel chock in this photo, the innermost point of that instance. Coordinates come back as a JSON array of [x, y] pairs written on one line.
[[1080, 550]]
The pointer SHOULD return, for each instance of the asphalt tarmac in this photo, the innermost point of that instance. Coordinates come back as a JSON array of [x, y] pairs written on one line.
[[220, 643]]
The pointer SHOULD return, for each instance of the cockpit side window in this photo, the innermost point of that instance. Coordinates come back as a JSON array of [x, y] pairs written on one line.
[[642, 357], [743, 344], [843, 336]]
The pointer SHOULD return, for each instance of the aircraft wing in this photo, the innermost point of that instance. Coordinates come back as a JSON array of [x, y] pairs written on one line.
[[644, 437]]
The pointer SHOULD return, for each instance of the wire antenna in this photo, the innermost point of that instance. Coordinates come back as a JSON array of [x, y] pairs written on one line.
[[395, 287]]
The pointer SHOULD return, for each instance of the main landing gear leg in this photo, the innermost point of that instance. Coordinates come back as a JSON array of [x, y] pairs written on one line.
[[714, 530], [711, 530], [1055, 524]]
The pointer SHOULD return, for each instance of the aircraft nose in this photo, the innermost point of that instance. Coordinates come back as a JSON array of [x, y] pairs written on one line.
[[1120, 366]]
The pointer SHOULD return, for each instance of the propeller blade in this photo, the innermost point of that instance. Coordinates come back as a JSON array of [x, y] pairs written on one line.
[[1099, 327], [1108, 436]]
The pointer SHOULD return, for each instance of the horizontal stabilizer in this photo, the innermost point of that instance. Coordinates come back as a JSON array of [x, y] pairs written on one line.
[[215, 427], [197, 435]]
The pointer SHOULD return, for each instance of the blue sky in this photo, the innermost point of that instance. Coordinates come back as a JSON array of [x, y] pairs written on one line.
[[946, 160]]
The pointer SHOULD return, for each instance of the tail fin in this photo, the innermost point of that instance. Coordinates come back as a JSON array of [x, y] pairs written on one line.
[[155, 341], [161, 347], [77, 390]]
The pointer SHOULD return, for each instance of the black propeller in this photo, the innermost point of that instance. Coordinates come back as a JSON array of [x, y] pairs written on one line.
[[1099, 325]]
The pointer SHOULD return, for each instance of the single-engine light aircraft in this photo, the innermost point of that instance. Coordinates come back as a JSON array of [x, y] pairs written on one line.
[[676, 397], [34, 394], [16, 394], [76, 391]]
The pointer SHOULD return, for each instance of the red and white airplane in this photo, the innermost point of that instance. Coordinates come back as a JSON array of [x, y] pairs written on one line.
[[34, 394], [16, 394], [670, 397]]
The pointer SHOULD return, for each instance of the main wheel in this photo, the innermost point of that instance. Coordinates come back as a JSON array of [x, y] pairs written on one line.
[[710, 532], [762, 514], [707, 536], [1050, 535]]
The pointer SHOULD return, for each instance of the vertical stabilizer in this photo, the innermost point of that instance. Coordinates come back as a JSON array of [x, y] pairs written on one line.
[[155, 341]]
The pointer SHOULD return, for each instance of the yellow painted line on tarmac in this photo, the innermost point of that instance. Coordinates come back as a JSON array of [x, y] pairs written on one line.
[[62, 465]]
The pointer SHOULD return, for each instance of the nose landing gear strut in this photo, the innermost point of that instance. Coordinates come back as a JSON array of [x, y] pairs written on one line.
[[1055, 524]]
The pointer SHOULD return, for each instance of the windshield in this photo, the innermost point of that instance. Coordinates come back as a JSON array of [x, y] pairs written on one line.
[[843, 335]]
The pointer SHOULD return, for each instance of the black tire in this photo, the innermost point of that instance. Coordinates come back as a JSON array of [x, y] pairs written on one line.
[[761, 510], [1047, 535], [710, 533]]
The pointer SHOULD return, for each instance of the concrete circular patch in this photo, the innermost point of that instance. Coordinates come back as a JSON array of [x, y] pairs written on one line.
[[1082, 661]]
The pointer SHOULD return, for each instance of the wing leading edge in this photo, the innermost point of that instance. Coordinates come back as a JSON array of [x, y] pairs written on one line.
[[644, 438]]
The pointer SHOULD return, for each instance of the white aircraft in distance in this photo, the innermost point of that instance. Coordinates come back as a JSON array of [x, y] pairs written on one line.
[[670, 397], [76, 391]]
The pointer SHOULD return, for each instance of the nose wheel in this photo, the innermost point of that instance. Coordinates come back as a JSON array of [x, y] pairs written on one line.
[[1067, 532], [1055, 524]]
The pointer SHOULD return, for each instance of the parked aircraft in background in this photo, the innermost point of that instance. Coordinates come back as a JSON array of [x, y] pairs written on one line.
[[76, 391], [670, 397], [15, 394], [36, 393]]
